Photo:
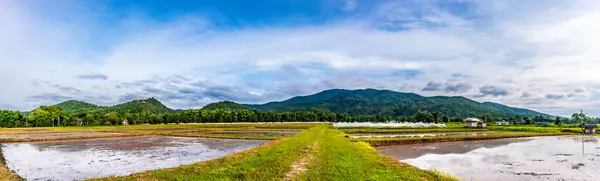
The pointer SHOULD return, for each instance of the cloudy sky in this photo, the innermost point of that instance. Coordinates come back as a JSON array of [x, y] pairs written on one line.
[[539, 54]]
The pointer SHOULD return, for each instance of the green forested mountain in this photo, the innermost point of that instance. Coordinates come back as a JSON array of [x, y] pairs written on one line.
[[390, 103], [77, 107], [300, 101], [225, 105], [149, 105]]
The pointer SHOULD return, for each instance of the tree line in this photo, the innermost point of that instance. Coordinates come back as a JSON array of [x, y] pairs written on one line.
[[46, 116]]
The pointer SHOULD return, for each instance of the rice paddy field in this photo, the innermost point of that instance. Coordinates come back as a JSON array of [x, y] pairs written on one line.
[[274, 151]]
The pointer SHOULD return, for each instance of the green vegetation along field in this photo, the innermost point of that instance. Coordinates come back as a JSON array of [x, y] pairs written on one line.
[[571, 128], [491, 132]]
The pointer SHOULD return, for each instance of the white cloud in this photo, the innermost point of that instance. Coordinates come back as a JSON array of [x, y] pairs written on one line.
[[538, 49]]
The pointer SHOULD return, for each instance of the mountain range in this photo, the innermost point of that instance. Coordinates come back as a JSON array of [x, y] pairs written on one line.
[[353, 102], [391, 103]]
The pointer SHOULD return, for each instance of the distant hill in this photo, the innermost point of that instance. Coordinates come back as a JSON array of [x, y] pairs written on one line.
[[225, 105], [150, 105], [390, 103], [138, 106], [77, 107]]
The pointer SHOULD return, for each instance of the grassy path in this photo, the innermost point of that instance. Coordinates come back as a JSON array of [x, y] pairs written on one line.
[[319, 153], [340, 159]]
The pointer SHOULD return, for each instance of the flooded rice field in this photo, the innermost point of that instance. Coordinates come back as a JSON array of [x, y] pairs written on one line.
[[539, 158], [45, 135], [93, 158], [396, 135]]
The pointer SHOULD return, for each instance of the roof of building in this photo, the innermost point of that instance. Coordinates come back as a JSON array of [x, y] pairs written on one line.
[[472, 120], [589, 126]]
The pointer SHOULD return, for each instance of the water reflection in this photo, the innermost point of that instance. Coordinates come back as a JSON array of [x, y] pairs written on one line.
[[92, 158], [540, 158], [402, 152]]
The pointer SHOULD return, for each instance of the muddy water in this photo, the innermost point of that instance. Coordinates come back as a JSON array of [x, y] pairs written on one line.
[[43, 135], [93, 158], [391, 135], [265, 133], [540, 158]]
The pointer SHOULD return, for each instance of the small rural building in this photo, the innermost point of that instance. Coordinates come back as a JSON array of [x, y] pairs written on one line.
[[589, 128], [474, 123], [125, 122], [503, 122]]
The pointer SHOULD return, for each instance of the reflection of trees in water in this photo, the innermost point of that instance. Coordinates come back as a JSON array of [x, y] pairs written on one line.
[[461, 147], [584, 138]]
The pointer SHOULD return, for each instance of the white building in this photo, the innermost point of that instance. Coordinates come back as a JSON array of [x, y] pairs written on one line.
[[474, 123]]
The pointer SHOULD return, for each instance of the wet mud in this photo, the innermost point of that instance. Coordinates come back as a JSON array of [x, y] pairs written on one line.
[[46, 135], [419, 135], [258, 133]]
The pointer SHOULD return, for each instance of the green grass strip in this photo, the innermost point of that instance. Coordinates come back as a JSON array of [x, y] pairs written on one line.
[[337, 158]]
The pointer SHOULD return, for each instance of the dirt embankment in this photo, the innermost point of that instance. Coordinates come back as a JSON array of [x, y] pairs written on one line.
[[390, 142]]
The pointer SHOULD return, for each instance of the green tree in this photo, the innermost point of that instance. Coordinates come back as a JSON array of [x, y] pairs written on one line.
[[580, 117], [488, 118], [424, 116], [10, 119], [528, 120], [48, 116], [112, 118]]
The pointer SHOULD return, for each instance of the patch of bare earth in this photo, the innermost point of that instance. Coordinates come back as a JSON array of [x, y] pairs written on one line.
[[300, 166]]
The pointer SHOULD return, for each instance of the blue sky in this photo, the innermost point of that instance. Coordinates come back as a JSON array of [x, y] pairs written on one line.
[[539, 54]]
